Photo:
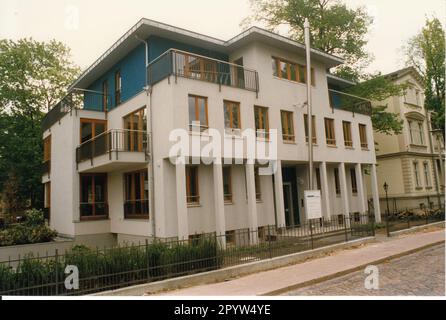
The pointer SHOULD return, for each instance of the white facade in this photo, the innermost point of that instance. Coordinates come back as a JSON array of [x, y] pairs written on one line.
[[172, 216]]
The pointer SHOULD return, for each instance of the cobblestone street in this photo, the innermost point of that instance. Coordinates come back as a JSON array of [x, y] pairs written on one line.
[[421, 274]]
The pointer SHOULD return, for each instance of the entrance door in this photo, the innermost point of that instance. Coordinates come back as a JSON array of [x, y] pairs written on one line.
[[288, 204]]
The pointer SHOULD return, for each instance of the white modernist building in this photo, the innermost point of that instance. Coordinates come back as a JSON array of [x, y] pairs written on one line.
[[108, 170]]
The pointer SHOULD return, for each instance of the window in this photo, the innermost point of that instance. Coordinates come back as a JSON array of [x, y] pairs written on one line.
[[90, 128], [347, 129], [232, 115], [136, 190], [105, 95], [227, 184], [192, 193], [93, 196], [257, 184], [363, 136], [47, 202], [416, 132], [427, 176], [118, 88], [198, 112], [337, 184], [313, 128], [261, 120], [318, 179], [135, 125], [287, 126], [291, 71], [47, 154], [416, 174], [353, 180], [330, 132]]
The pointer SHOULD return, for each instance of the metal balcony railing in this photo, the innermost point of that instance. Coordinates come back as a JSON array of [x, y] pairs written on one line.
[[179, 63], [344, 101], [137, 209], [75, 100], [115, 140]]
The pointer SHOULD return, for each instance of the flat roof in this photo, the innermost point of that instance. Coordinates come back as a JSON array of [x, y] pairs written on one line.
[[144, 28]]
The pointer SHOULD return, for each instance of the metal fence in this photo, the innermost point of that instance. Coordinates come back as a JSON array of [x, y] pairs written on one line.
[[112, 268], [179, 63], [412, 217]]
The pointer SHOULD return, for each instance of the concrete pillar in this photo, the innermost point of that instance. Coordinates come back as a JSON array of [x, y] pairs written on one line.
[[325, 194], [159, 204], [344, 191], [252, 203], [361, 193], [375, 193], [278, 192], [219, 204], [182, 219]]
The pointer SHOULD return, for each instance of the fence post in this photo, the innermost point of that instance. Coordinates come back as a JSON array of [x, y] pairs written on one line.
[[372, 217], [57, 272], [311, 233], [345, 228], [147, 259], [387, 224], [269, 243]]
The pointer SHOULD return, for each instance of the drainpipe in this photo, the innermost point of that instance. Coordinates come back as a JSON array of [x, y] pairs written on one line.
[[151, 171], [434, 166]]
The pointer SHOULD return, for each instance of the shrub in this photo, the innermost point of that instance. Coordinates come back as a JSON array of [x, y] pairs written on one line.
[[33, 230]]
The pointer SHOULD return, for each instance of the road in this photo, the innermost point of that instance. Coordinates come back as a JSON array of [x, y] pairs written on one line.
[[418, 274]]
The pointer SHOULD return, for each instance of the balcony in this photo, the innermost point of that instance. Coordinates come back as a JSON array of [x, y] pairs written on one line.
[[344, 101], [76, 99], [178, 63], [112, 150]]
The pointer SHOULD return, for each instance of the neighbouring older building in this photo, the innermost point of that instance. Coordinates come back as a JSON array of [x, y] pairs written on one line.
[[411, 163], [107, 170]]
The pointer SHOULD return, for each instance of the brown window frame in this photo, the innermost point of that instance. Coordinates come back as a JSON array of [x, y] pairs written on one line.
[[94, 216], [298, 70], [286, 118], [227, 104], [192, 199], [313, 128], [197, 112], [144, 212], [354, 181], [93, 127], [363, 136], [337, 181], [118, 87], [263, 125], [257, 185], [135, 135], [347, 131], [227, 173], [330, 135]]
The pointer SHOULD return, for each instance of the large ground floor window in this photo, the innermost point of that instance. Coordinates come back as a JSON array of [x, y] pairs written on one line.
[[136, 204], [93, 196]]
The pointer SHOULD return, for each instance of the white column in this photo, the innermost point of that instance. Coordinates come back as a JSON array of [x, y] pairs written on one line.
[[252, 203], [219, 204], [325, 195], [375, 193], [159, 195], [360, 185], [344, 191], [183, 227], [278, 191]]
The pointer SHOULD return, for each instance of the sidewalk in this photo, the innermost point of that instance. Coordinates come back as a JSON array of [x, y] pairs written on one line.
[[279, 280]]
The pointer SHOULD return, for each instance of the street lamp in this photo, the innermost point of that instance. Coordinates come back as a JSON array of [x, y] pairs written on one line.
[[386, 189]]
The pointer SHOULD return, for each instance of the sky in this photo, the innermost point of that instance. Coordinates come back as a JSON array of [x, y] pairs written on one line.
[[89, 27]]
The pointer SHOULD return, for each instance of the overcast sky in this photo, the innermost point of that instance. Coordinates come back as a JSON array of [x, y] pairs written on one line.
[[90, 27]]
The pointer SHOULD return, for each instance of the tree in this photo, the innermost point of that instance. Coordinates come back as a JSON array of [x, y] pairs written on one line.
[[338, 30], [426, 52], [33, 77]]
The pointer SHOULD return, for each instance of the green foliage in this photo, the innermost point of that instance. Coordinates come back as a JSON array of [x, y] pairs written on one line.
[[426, 52], [33, 76], [129, 265], [33, 230]]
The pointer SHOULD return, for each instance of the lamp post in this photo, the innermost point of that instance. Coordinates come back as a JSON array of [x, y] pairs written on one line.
[[309, 106], [386, 189]]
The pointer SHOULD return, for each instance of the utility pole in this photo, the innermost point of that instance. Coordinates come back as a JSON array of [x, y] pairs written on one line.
[[309, 110]]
